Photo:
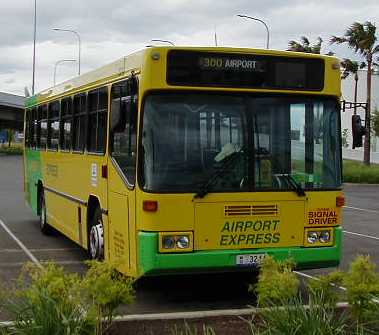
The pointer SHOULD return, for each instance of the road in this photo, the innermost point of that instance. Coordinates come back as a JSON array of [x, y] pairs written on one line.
[[168, 294]]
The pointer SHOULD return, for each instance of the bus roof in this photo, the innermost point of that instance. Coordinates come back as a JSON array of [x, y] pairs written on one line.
[[133, 64]]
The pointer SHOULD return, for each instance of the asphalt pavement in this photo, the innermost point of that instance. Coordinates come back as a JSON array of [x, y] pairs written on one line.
[[165, 294]]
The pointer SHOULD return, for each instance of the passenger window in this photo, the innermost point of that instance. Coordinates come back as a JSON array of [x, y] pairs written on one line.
[[53, 126], [42, 127], [66, 124], [97, 119], [124, 127], [79, 122]]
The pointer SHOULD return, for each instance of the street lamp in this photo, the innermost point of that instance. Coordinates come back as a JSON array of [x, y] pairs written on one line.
[[79, 41], [59, 62], [259, 20], [163, 41], [34, 45]]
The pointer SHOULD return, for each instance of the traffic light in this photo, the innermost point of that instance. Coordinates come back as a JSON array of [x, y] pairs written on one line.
[[358, 131]]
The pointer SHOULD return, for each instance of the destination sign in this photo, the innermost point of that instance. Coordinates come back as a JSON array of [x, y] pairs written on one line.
[[233, 64], [217, 69]]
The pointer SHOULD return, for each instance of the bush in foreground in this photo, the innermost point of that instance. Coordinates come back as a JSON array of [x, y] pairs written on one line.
[[288, 313], [50, 301]]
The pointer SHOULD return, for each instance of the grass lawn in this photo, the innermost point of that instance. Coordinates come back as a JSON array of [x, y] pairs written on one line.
[[14, 149], [357, 172]]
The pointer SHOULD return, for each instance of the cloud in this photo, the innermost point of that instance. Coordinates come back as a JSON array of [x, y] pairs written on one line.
[[113, 28]]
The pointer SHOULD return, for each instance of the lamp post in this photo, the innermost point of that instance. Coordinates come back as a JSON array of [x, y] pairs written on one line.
[[264, 23], [59, 62], [163, 41], [34, 46], [79, 41]]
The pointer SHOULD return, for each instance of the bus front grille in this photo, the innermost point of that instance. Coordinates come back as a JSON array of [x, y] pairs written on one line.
[[251, 210]]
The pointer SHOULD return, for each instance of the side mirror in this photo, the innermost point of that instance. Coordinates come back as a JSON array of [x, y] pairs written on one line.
[[358, 131]]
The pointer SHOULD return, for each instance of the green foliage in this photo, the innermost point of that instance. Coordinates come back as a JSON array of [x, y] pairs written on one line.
[[345, 134], [375, 122], [267, 288], [107, 289], [323, 289], [187, 330], [51, 301], [305, 46], [12, 150], [296, 318], [362, 284], [50, 304], [357, 172]]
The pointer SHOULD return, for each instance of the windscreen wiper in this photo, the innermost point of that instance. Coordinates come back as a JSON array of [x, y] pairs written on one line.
[[226, 164], [291, 181]]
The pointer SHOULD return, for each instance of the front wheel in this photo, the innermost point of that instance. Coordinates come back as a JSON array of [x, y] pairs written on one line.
[[44, 226], [96, 237]]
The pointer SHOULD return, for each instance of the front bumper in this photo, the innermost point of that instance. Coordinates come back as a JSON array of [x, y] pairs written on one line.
[[151, 262]]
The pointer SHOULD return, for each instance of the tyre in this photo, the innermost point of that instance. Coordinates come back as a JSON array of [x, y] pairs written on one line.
[[96, 236], [46, 229]]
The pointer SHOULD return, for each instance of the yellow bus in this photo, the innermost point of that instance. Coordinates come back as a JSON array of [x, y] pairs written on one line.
[[184, 160]]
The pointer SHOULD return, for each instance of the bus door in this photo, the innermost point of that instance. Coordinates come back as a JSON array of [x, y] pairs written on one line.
[[121, 179]]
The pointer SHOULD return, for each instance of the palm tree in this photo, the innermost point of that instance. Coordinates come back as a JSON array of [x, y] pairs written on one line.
[[305, 46], [351, 67], [361, 38]]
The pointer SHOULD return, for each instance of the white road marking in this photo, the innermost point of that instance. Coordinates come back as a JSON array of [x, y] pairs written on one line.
[[362, 209], [361, 235], [21, 245], [336, 286], [39, 250], [19, 264]]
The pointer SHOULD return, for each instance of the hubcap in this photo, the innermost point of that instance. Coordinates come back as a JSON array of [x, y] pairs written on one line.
[[97, 241], [43, 215]]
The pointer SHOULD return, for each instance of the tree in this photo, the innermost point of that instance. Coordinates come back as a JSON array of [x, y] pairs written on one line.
[[305, 46], [10, 136], [361, 38], [375, 122], [351, 67]]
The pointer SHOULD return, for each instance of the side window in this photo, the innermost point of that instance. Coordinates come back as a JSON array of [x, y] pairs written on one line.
[[42, 127], [53, 126], [79, 122], [97, 119], [123, 137], [66, 124]]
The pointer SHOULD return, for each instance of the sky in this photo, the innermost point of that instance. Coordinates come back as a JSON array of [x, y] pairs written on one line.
[[114, 28]]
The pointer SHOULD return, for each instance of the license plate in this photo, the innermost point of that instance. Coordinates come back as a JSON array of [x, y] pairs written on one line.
[[250, 259]]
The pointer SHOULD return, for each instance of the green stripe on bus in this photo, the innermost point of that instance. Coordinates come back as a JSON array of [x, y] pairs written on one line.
[[153, 263]]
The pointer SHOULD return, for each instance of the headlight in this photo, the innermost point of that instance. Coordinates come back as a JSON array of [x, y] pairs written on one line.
[[168, 242], [183, 242], [312, 237], [324, 236], [175, 242]]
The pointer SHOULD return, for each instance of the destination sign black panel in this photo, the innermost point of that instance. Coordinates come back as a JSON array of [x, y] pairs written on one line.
[[193, 68]]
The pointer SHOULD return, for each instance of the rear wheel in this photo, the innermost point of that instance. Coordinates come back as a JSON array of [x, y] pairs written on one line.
[[96, 236], [44, 226]]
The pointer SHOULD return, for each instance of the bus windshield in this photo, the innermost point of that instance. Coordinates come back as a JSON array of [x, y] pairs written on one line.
[[239, 143]]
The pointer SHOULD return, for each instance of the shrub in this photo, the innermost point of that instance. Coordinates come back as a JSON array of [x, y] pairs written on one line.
[[51, 301], [362, 284], [269, 291], [187, 330]]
